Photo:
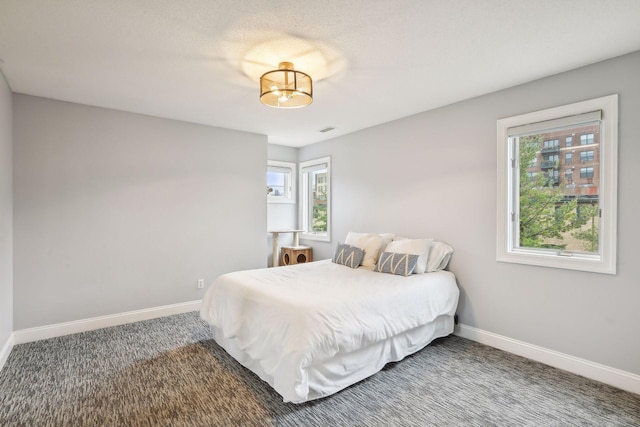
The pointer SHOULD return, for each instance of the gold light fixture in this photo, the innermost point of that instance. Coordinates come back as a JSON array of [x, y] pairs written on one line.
[[286, 87]]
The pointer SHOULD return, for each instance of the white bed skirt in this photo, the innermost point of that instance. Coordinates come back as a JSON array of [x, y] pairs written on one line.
[[346, 368]]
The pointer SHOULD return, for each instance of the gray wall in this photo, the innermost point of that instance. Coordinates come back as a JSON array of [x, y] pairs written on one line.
[[6, 214], [434, 175], [116, 211], [281, 216]]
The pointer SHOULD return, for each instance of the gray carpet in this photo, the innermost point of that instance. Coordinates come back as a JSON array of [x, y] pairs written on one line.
[[169, 372]]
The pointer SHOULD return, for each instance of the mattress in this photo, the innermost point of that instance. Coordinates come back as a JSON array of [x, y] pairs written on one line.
[[310, 330]]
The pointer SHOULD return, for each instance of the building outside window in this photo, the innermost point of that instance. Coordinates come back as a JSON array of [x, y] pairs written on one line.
[[564, 230]]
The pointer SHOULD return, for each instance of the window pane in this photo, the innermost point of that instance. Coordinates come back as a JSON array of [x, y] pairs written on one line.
[[558, 210], [281, 182], [318, 183], [276, 181], [315, 206]]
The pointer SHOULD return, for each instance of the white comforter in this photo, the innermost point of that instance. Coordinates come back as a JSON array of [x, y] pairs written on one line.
[[288, 318]]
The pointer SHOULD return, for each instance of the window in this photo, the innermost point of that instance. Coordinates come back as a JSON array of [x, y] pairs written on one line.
[[568, 176], [586, 139], [567, 158], [315, 199], [568, 141], [552, 219], [553, 178], [281, 181], [550, 161], [586, 172], [586, 156]]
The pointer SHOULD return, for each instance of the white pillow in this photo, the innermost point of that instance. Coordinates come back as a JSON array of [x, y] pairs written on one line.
[[439, 256], [418, 247], [371, 244], [387, 237]]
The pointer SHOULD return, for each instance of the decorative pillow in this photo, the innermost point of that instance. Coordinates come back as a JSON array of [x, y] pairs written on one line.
[[348, 255], [418, 247], [439, 256], [394, 263], [371, 244]]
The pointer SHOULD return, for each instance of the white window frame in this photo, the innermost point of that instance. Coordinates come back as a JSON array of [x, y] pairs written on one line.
[[605, 260], [290, 182], [304, 207]]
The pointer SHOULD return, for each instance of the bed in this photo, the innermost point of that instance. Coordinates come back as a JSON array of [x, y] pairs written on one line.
[[310, 330]]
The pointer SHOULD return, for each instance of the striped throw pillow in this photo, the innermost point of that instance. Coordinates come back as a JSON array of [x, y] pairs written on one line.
[[400, 264], [348, 255]]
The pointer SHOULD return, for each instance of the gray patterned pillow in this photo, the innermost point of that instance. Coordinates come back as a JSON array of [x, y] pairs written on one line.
[[348, 255], [400, 264]]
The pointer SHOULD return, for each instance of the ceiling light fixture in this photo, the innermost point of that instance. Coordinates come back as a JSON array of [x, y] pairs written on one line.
[[286, 87]]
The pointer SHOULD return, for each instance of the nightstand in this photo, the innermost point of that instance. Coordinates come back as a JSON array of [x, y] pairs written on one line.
[[290, 255]]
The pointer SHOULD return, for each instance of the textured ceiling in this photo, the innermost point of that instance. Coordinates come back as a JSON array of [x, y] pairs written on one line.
[[382, 59]]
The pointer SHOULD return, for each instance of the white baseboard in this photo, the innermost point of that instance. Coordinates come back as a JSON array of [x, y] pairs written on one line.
[[84, 325], [6, 350], [595, 371]]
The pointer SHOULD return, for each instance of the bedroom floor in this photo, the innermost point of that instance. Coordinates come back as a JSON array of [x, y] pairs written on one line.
[[168, 371]]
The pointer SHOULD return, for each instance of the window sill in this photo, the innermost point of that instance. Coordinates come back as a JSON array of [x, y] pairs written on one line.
[[316, 237], [570, 261]]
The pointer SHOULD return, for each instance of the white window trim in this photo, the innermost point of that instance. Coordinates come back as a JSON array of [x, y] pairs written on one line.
[[606, 261], [292, 184], [303, 208]]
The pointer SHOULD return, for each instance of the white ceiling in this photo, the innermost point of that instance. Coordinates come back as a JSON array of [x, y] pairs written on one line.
[[385, 59]]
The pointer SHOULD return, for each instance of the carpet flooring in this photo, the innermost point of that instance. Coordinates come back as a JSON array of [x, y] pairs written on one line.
[[169, 372]]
